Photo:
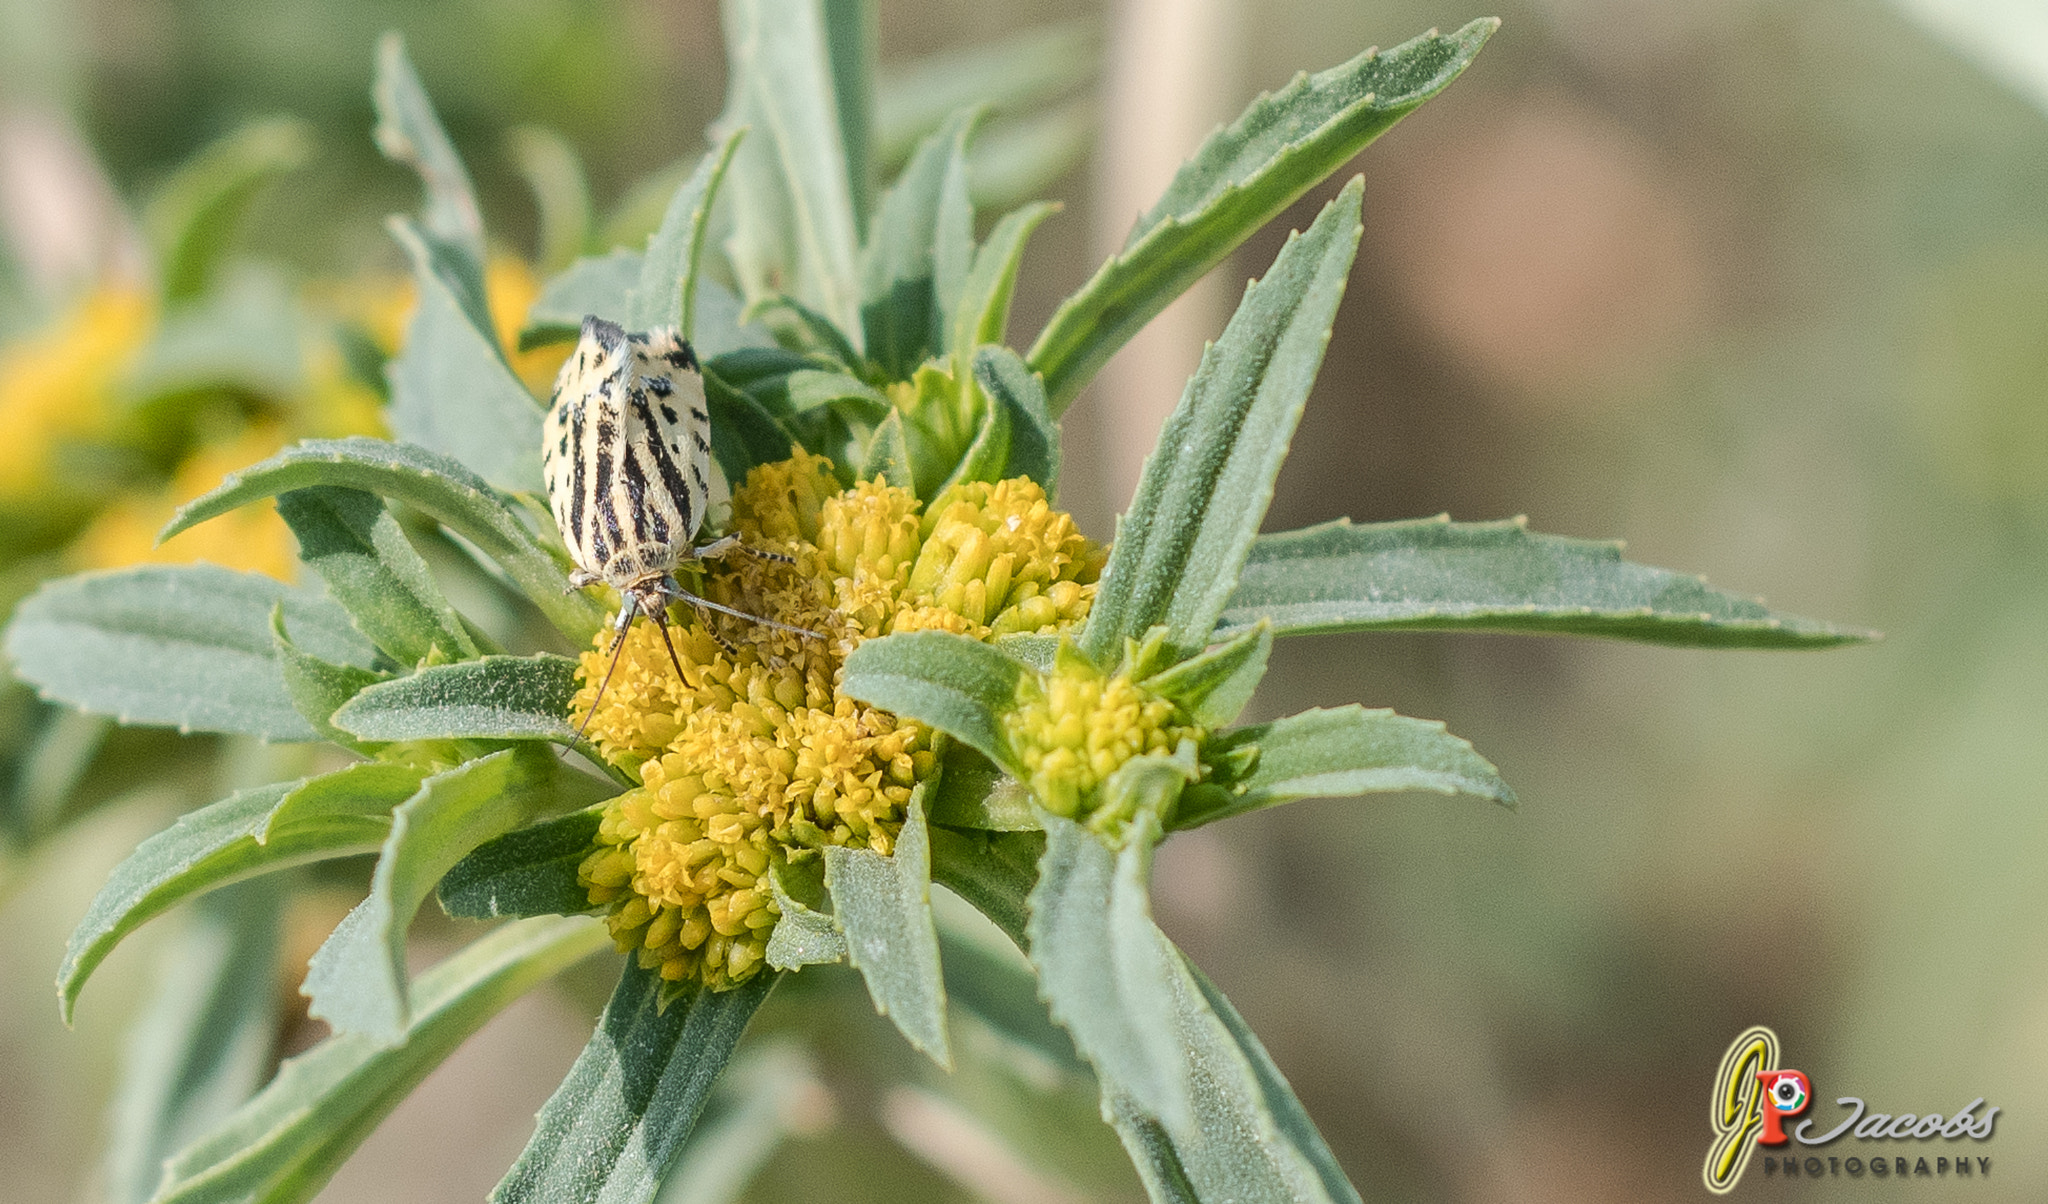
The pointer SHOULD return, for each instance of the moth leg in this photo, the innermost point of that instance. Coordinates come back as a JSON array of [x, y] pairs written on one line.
[[719, 549], [580, 579], [702, 603]]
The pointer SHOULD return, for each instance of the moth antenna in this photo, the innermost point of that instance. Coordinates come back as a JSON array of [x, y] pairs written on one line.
[[661, 625], [618, 649], [694, 600]]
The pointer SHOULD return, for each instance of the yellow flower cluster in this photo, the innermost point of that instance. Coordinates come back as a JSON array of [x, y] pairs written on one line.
[[754, 757], [1075, 726]]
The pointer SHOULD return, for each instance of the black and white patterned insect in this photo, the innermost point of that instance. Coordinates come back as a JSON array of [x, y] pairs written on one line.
[[626, 455]]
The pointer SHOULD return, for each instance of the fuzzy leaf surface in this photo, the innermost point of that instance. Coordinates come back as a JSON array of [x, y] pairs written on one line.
[[1034, 438], [528, 872], [350, 539], [617, 1122], [1437, 575], [1341, 752], [925, 223], [357, 978], [884, 906], [283, 1145], [981, 316], [184, 646], [429, 482], [249, 833], [451, 389], [1213, 686], [958, 685], [408, 131], [316, 687], [1206, 486], [1100, 967], [1242, 177], [495, 698]]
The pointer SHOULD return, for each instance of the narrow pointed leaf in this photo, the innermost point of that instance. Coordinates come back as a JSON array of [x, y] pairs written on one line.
[[202, 1040], [1101, 969], [760, 1102], [529, 872], [185, 646], [409, 132], [889, 456], [191, 220], [1241, 178], [451, 389], [495, 698], [851, 34], [958, 685], [1214, 686], [923, 220], [351, 540], [561, 193], [791, 175], [283, 1145], [663, 295], [982, 314], [1342, 752], [254, 832], [988, 455], [884, 906], [1250, 1138], [743, 432], [595, 284], [619, 1119], [316, 687], [431, 483], [1034, 449], [1434, 574], [357, 979], [1206, 486]]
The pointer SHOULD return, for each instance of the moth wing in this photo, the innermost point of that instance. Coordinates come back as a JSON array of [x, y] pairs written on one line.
[[585, 397], [668, 437]]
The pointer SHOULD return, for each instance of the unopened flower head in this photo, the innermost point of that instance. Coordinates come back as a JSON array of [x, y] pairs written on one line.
[[1075, 726], [754, 757]]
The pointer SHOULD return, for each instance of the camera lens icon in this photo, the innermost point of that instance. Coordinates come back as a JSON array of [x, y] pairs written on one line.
[[1788, 1093]]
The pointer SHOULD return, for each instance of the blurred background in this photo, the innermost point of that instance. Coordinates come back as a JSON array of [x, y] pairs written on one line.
[[1761, 288]]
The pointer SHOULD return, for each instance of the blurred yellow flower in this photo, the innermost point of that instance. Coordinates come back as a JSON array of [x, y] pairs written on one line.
[[252, 538], [57, 384]]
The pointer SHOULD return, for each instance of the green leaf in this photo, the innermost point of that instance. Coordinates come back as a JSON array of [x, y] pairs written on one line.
[[809, 389], [888, 456], [530, 872], [1034, 437], [1101, 969], [253, 832], [1017, 158], [663, 295], [1342, 752], [1434, 574], [982, 313], [1241, 178], [803, 935], [247, 332], [958, 685], [316, 687], [357, 978], [1021, 71], [1001, 992], [763, 1099], [1250, 1139], [989, 454], [973, 793], [1206, 486], [202, 1039], [561, 194], [884, 906], [281, 1147], [992, 870], [1214, 686], [185, 646], [351, 540], [619, 1119], [595, 284], [796, 226], [923, 229], [495, 698], [434, 485], [451, 389], [743, 432], [851, 34], [409, 132], [191, 220]]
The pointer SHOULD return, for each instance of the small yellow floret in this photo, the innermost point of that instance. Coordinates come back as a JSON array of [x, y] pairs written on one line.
[[1075, 726]]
